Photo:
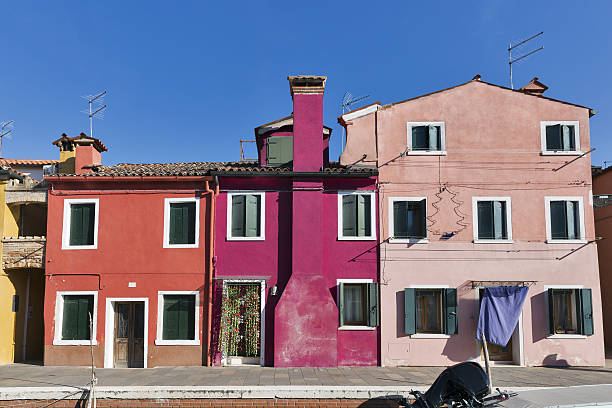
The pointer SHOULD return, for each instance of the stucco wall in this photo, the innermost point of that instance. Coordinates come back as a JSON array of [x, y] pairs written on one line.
[[602, 185]]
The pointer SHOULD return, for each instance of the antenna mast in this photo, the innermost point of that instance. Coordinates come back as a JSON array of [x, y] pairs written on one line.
[[94, 111], [512, 61], [5, 132], [347, 101]]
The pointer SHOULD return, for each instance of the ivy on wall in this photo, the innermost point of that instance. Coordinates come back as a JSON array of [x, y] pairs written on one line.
[[240, 323]]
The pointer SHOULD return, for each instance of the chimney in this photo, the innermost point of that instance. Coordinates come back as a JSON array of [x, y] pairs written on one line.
[[307, 93], [78, 154], [534, 87]]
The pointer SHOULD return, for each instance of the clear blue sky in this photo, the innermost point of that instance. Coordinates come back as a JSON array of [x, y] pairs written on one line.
[[188, 80]]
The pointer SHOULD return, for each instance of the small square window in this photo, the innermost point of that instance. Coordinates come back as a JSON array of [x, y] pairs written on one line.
[[564, 219], [72, 312], [80, 228], [570, 311], [179, 317], [426, 138], [408, 219], [492, 219], [246, 219], [181, 222], [356, 216], [358, 303], [429, 311], [560, 137]]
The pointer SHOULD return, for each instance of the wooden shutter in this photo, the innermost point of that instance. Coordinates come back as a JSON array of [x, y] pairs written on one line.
[[450, 311], [364, 215], [286, 149], [498, 219], [422, 218], [170, 329], [420, 138], [570, 213], [551, 312], [238, 216], [400, 219], [410, 311], [182, 223], [279, 150], [349, 215], [70, 318], [434, 137], [554, 138], [341, 304], [485, 220], [82, 219], [585, 310], [372, 317], [558, 220], [253, 221], [186, 318]]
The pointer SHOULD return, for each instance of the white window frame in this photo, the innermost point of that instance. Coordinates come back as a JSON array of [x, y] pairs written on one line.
[[562, 335], [392, 227], [59, 318], [431, 335], [441, 152], [173, 200], [373, 224], [574, 123], [358, 281], [508, 202], [66, 222], [159, 341], [549, 238], [262, 218]]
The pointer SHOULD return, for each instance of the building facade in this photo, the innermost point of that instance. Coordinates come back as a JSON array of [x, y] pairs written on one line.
[[481, 185], [128, 245], [295, 254]]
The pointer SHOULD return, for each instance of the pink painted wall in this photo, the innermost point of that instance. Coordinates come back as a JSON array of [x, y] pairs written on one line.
[[493, 149], [85, 155], [308, 131]]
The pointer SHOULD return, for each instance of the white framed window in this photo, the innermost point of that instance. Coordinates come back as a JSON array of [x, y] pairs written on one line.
[[408, 219], [181, 222], [570, 311], [426, 138], [178, 318], [356, 215], [80, 224], [357, 304], [564, 220], [246, 216], [492, 219], [430, 311], [560, 137], [72, 309]]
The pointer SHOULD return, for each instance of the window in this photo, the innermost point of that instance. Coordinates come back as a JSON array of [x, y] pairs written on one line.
[[492, 219], [80, 227], [72, 311], [178, 318], [408, 219], [356, 216], [279, 150], [430, 311], [564, 219], [560, 137], [426, 138], [570, 311], [357, 303], [181, 222], [246, 216]]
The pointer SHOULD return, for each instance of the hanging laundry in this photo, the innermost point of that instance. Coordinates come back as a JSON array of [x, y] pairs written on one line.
[[499, 313]]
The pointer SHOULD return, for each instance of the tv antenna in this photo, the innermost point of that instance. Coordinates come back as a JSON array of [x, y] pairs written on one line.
[[96, 108], [517, 59], [8, 125], [347, 101]]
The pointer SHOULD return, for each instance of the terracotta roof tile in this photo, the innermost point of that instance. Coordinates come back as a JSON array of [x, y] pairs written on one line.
[[27, 161]]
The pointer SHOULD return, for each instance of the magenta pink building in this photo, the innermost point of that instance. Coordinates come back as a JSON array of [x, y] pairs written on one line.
[[295, 249], [481, 185]]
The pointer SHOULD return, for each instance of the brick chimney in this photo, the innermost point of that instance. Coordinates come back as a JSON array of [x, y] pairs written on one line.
[[78, 154], [307, 93], [534, 87]]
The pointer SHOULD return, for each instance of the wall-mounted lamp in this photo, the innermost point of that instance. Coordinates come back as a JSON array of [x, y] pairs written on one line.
[[274, 290]]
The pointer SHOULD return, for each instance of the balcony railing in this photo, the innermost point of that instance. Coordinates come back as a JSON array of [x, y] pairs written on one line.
[[23, 252]]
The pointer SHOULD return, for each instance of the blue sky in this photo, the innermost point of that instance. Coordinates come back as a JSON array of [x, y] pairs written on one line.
[[187, 80]]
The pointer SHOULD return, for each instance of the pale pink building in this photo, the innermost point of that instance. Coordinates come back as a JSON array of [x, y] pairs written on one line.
[[481, 185]]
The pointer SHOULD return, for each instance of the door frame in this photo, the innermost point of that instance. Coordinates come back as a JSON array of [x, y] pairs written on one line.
[[262, 316], [109, 329], [516, 339]]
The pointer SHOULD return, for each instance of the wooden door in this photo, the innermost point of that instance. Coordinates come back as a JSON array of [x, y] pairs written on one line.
[[129, 334], [496, 352]]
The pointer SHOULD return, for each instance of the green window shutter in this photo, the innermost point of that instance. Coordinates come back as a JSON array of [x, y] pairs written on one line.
[[570, 212], [450, 311], [554, 138], [551, 312], [287, 149], [499, 220], [341, 304], [485, 220], [410, 311], [82, 219], [558, 220], [182, 223], [238, 215], [372, 305], [279, 150], [434, 137], [179, 317], [400, 219], [170, 330], [420, 138], [364, 216], [349, 215], [70, 318], [253, 217], [423, 218], [585, 302], [566, 135]]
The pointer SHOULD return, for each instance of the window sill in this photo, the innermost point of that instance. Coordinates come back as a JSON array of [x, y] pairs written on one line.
[[566, 241], [566, 336], [177, 342], [57, 342], [561, 153], [245, 238], [357, 328], [493, 241], [170, 246], [408, 241], [356, 238], [430, 336], [426, 153], [95, 246]]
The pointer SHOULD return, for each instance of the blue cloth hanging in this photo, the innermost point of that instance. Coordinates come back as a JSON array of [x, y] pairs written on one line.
[[499, 313]]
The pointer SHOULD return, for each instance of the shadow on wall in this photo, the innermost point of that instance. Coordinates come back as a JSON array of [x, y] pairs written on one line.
[[381, 402], [538, 323], [552, 360]]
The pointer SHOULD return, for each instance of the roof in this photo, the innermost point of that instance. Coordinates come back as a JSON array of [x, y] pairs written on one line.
[[279, 123], [81, 139], [211, 169], [27, 161]]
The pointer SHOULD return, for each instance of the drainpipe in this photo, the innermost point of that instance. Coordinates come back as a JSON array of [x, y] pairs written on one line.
[[211, 234], [25, 318]]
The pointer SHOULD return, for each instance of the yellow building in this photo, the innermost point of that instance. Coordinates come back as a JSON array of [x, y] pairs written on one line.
[[23, 220]]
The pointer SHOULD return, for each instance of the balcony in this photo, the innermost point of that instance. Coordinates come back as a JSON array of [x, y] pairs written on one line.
[[23, 252]]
